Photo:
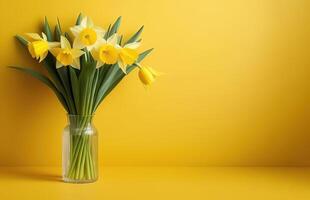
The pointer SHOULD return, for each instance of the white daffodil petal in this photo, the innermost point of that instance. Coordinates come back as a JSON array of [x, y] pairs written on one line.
[[58, 64], [84, 22], [34, 36], [99, 43], [133, 45], [99, 64], [122, 66], [64, 43], [89, 22], [53, 44], [44, 36], [100, 31], [77, 44], [77, 53], [76, 30], [76, 64], [113, 39]]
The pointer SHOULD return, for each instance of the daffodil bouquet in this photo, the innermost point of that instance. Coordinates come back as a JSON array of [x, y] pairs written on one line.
[[83, 68]]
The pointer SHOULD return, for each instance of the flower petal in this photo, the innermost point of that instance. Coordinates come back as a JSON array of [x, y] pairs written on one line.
[[89, 22], [77, 44], [113, 39], [55, 51], [58, 64], [53, 44], [76, 64], [122, 66], [44, 36], [42, 57], [100, 31], [34, 36], [84, 22], [76, 30], [133, 45], [64, 43], [76, 53]]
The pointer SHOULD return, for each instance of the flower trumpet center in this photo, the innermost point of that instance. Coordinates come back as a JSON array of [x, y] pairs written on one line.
[[108, 54], [88, 36], [65, 57], [38, 48], [128, 56]]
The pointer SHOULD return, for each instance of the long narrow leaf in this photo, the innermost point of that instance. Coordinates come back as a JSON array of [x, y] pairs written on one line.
[[47, 30], [49, 65], [106, 35], [64, 77], [44, 80], [135, 36], [22, 40], [115, 26], [109, 78], [58, 31], [75, 87], [79, 19]]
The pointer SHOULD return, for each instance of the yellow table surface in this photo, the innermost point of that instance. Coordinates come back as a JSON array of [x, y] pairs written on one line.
[[160, 183]]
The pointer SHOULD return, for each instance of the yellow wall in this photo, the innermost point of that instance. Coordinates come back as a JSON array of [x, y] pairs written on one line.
[[236, 91]]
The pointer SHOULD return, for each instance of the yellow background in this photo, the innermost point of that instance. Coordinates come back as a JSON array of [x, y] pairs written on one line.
[[236, 89]]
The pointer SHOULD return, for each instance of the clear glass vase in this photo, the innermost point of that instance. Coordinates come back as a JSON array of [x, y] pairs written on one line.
[[80, 150]]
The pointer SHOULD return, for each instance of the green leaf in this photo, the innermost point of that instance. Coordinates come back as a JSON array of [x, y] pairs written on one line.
[[75, 87], [112, 85], [64, 77], [47, 30], [79, 19], [22, 40], [135, 36], [120, 40], [49, 65], [44, 80], [115, 26], [108, 80], [144, 54], [106, 35], [58, 31], [102, 73], [93, 92]]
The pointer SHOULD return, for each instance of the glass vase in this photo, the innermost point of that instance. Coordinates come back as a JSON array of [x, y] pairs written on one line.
[[80, 150]]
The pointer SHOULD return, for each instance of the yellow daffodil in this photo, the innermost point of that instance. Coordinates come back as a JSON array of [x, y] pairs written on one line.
[[86, 34], [128, 55], [39, 46], [147, 75], [66, 55], [106, 51]]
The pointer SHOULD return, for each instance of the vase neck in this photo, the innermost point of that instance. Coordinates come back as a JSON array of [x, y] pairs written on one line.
[[78, 120]]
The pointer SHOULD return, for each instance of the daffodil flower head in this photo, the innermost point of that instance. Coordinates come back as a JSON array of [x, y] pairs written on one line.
[[65, 55], [39, 46], [128, 55], [147, 75], [86, 34], [106, 51]]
